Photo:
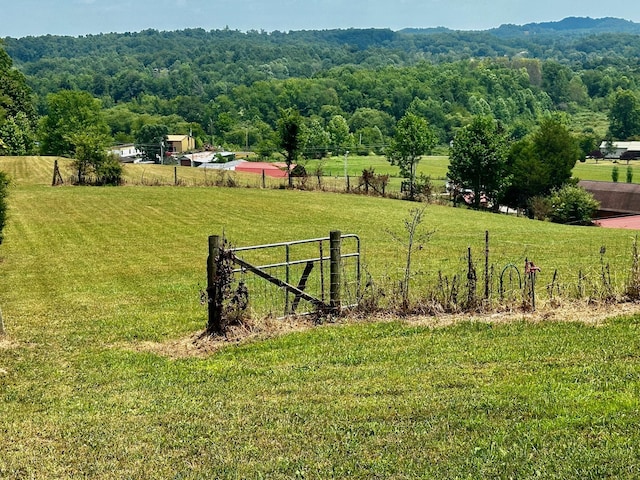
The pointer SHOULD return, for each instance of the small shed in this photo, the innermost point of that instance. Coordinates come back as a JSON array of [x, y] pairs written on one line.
[[180, 143], [196, 159]]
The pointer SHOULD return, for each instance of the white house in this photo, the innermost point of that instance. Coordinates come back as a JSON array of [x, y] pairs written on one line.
[[126, 152]]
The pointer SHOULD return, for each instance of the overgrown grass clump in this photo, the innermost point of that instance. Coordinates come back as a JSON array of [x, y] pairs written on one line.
[[89, 276]]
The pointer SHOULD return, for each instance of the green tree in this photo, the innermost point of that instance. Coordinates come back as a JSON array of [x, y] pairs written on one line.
[[17, 135], [151, 140], [69, 113], [541, 162], [412, 139], [17, 113], [557, 148], [364, 118], [289, 125], [370, 139], [91, 159], [339, 135], [478, 159], [266, 148], [4, 192], [615, 174], [624, 115], [588, 143], [314, 139], [556, 80]]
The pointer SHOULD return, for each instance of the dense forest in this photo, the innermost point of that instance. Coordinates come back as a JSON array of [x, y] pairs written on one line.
[[227, 87]]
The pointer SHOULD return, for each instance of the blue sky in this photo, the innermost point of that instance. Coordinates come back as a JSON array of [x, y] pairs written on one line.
[[79, 17]]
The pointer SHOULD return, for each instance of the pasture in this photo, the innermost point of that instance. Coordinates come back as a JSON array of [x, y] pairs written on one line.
[[91, 278], [333, 171]]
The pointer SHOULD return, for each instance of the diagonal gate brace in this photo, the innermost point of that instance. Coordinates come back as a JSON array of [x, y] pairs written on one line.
[[302, 285], [299, 293]]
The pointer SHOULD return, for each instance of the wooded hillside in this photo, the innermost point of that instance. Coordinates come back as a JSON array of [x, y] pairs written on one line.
[[226, 87]]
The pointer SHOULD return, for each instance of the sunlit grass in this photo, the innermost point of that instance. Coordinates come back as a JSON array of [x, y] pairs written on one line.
[[87, 274]]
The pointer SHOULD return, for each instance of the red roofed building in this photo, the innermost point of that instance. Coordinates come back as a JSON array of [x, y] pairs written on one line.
[[275, 170]]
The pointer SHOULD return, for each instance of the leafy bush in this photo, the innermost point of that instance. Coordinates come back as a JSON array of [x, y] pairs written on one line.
[[572, 204], [540, 207], [109, 171]]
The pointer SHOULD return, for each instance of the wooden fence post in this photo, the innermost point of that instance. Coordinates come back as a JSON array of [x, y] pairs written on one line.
[[486, 265], [175, 175], [335, 238], [55, 170], [57, 176], [214, 323]]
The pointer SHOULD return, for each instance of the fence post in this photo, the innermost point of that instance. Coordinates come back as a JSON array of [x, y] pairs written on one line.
[[214, 323], [335, 238], [486, 265], [55, 171], [57, 176], [175, 175]]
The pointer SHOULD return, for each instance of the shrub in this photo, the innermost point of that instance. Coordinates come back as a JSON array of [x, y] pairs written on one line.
[[109, 171], [540, 207], [572, 204]]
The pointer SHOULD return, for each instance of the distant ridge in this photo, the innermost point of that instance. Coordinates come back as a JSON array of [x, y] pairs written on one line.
[[570, 26]]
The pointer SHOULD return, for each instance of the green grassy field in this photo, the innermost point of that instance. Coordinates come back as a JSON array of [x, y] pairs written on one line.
[[434, 166], [89, 276], [601, 170]]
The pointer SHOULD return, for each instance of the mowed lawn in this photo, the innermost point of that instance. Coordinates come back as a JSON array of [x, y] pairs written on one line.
[[88, 276]]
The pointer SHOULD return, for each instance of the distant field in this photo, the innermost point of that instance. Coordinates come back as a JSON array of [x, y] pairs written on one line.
[[435, 166], [601, 170], [90, 276]]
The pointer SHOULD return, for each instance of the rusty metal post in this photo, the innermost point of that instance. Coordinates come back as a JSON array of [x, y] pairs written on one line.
[[214, 323]]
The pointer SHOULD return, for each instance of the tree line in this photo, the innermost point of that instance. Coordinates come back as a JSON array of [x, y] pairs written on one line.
[[226, 87]]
